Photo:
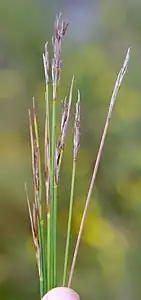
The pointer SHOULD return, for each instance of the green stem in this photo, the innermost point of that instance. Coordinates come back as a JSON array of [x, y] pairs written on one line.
[[41, 287], [52, 204], [48, 253], [41, 255], [55, 234], [69, 223], [47, 192], [40, 208]]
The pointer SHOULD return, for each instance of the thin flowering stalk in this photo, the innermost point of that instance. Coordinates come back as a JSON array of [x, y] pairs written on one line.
[[52, 187], [47, 189], [47, 211], [53, 207], [34, 155], [36, 202], [47, 151], [38, 160], [56, 72], [53, 200], [75, 151], [39, 196], [112, 102]]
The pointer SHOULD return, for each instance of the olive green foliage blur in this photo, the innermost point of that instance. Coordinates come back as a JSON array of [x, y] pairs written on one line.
[[109, 263]]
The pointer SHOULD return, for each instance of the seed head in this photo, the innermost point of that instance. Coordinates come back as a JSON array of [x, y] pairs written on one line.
[[77, 128]]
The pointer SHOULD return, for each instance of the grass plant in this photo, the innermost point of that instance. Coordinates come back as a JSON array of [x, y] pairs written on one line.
[[43, 214]]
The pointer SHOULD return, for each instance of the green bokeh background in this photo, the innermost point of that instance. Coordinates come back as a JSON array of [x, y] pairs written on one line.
[[109, 261]]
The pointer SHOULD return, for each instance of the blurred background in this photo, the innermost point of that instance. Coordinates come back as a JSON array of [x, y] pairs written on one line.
[[109, 261]]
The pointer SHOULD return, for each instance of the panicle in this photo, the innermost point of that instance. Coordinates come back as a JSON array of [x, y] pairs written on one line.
[[46, 63], [36, 166], [59, 32], [77, 128], [66, 107]]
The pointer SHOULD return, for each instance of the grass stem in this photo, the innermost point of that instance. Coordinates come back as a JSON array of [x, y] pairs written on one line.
[[53, 200], [69, 223], [47, 185]]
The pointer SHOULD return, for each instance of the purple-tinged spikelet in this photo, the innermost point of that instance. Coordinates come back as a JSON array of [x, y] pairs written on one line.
[[59, 32], [77, 128], [46, 63]]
